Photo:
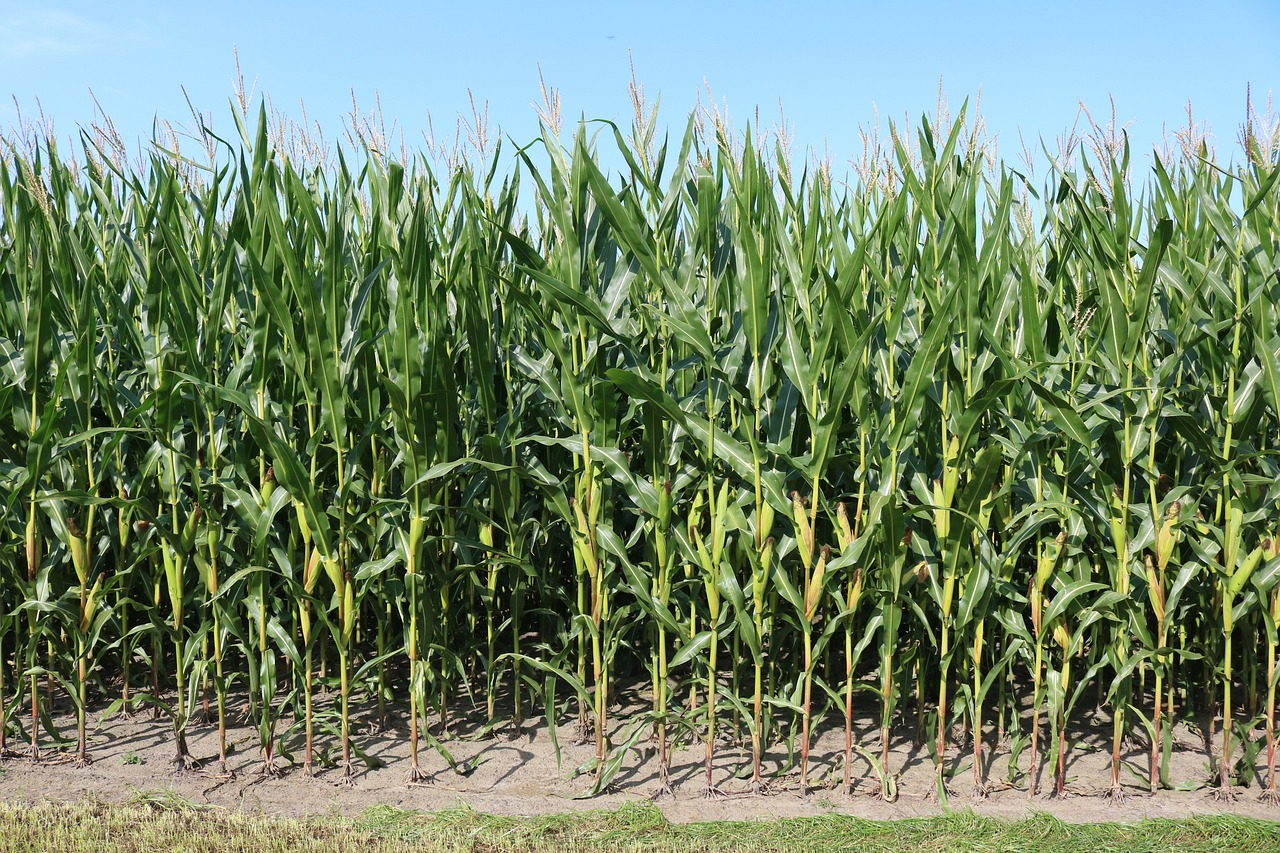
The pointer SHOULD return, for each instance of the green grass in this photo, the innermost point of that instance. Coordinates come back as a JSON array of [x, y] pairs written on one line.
[[158, 822]]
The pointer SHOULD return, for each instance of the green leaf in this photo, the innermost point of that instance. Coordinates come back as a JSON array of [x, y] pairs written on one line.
[[690, 649]]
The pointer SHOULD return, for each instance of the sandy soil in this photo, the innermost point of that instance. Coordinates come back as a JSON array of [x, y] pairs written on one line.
[[516, 773]]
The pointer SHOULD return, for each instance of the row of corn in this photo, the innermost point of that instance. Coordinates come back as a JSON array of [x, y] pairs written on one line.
[[946, 455]]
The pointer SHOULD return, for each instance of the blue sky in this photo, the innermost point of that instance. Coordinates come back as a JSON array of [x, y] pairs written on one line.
[[832, 65]]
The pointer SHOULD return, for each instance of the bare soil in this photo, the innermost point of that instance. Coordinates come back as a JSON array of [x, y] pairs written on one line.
[[516, 772]]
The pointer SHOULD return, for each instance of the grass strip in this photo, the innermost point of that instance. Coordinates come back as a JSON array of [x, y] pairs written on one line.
[[154, 822]]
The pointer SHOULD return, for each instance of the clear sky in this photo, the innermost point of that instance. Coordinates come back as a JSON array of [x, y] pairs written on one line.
[[832, 65]]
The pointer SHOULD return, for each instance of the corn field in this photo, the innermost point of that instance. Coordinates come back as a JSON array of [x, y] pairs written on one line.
[[943, 455]]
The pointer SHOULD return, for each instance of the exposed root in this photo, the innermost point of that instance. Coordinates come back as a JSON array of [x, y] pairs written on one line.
[[664, 785], [664, 789], [981, 790], [185, 762], [932, 795], [887, 791], [1115, 795], [711, 792], [125, 714], [762, 788], [1225, 794], [270, 769], [1271, 796], [348, 779], [418, 779], [81, 761], [223, 774], [386, 725]]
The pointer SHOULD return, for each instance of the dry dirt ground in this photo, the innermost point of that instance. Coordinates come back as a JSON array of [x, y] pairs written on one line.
[[517, 773]]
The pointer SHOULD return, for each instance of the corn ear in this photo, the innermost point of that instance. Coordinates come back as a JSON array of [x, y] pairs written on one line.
[[844, 531], [1155, 592], [90, 605], [1242, 574], [813, 595], [804, 535], [1167, 538]]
